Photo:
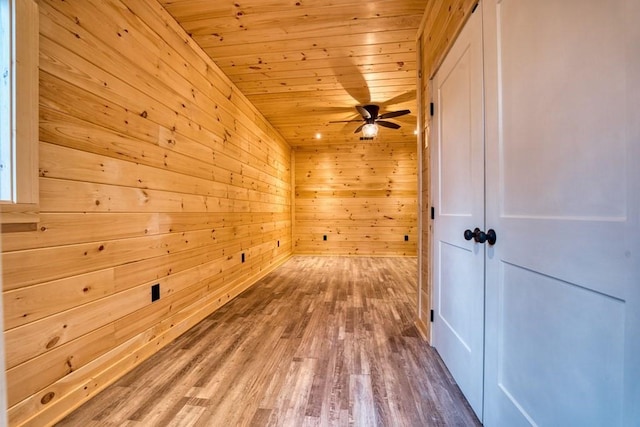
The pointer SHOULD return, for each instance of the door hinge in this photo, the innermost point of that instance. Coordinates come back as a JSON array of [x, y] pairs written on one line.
[[433, 212], [432, 109], [475, 6], [431, 316], [419, 74]]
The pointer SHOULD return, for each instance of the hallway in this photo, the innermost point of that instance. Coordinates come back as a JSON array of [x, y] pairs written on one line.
[[320, 341]]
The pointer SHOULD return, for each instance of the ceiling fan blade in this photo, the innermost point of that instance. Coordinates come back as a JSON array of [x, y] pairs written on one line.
[[408, 119], [394, 114], [359, 128], [345, 121], [364, 113], [402, 98], [350, 77], [387, 124]]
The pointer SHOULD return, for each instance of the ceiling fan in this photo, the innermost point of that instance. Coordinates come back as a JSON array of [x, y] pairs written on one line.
[[371, 119]]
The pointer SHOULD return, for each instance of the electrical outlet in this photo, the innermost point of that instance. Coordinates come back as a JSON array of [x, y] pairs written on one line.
[[243, 257], [155, 292], [406, 238], [324, 237]]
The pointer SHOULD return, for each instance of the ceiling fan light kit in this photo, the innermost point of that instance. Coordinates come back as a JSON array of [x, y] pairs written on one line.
[[370, 130]]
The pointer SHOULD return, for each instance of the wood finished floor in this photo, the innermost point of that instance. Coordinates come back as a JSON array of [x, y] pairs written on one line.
[[322, 341]]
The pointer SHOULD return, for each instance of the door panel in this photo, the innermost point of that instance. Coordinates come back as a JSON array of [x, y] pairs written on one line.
[[458, 180], [457, 292], [580, 331], [561, 69], [456, 147], [563, 287]]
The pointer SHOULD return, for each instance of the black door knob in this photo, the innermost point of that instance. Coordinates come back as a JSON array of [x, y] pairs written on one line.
[[477, 235], [480, 236], [468, 234], [491, 237]]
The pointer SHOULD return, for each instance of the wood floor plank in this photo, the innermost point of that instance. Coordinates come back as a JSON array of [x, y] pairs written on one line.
[[321, 341]]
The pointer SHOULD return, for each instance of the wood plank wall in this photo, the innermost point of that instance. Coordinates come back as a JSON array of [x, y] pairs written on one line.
[[154, 169], [362, 196], [441, 24]]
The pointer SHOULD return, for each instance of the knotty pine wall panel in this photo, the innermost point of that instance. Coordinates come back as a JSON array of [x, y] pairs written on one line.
[[441, 24], [361, 196], [154, 169]]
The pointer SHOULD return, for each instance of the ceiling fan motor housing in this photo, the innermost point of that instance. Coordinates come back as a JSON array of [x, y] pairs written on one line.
[[373, 112]]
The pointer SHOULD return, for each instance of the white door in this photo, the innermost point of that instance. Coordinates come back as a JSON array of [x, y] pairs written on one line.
[[563, 184], [458, 198]]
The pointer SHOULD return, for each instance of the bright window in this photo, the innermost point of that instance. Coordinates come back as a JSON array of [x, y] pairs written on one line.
[[7, 160], [18, 111]]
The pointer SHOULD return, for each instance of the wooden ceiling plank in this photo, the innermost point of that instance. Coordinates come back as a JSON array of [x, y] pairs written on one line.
[[318, 30], [378, 95], [346, 81], [251, 11], [369, 70], [259, 64], [341, 57], [260, 46], [338, 56], [250, 89], [297, 20]]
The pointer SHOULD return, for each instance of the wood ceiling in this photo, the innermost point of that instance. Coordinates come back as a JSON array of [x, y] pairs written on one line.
[[305, 63]]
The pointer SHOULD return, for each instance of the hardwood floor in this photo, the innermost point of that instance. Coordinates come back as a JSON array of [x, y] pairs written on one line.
[[320, 341]]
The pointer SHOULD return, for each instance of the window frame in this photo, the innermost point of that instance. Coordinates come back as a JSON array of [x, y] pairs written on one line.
[[24, 207]]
